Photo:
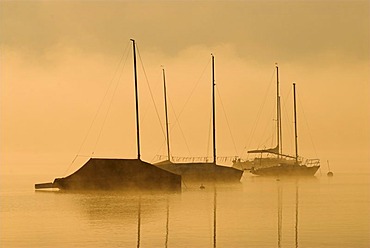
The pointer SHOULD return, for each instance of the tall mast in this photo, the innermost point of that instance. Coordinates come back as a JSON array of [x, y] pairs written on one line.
[[280, 128], [295, 125], [166, 114], [278, 112], [137, 101], [213, 110]]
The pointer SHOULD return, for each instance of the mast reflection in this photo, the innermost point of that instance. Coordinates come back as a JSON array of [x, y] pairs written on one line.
[[138, 222], [167, 222], [296, 215], [214, 216], [280, 215]]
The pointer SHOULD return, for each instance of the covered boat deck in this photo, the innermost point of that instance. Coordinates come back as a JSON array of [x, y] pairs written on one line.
[[117, 174]]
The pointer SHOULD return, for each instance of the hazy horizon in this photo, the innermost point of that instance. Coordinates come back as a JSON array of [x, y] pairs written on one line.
[[59, 58]]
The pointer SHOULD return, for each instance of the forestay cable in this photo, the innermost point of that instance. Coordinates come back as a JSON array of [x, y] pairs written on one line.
[[259, 113], [227, 120], [99, 108], [150, 91]]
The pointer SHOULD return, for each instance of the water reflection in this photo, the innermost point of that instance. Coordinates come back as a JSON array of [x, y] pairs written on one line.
[[134, 219], [138, 222], [151, 220], [167, 222], [308, 212], [296, 215], [280, 213], [212, 217]]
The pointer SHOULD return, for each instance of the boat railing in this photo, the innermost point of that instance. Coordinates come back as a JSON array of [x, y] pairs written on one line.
[[226, 159], [312, 162]]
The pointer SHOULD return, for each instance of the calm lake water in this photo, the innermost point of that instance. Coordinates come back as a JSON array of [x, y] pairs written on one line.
[[259, 212]]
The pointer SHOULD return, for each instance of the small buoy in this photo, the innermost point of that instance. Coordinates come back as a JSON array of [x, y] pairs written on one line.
[[277, 179], [202, 186], [329, 174]]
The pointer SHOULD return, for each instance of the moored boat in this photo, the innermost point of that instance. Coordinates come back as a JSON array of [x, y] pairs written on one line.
[[201, 172], [116, 174], [119, 174], [269, 156], [296, 168]]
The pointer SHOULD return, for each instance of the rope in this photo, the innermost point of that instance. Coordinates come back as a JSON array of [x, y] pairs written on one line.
[[186, 102], [177, 122], [177, 117], [271, 135], [99, 109], [259, 112], [196, 85], [109, 107], [150, 91], [227, 120], [181, 131], [159, 157], [309, 132]]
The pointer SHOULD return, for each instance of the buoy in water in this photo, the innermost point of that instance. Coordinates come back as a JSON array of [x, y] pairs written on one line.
[[202, 186], [329, 174]]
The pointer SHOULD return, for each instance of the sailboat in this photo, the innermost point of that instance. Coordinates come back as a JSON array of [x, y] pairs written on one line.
[[203, 171], [118, 174], [296, 168], [276, 152]]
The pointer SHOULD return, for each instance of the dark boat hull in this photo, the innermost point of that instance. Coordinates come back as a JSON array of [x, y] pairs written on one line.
[[117, 174], [203, 172], [286, 170]]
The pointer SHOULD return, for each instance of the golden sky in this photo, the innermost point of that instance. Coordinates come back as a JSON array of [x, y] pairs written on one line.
[[59, 58]]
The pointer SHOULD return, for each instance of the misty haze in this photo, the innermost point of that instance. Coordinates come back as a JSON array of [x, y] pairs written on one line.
[[184, 124]]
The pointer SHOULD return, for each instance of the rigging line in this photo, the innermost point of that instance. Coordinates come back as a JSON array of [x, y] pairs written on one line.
[[177, 121], [182, 133], [158, 152], [99, 108], [227, 121], [309, 131], [109, 106], [70, 165], [253, 130], [272, 136], [196, 85], [150, 91], [262, 143], [288, 117], [177, 117]]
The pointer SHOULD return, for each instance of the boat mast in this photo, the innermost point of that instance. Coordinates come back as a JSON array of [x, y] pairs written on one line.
[[137, 101], [213, 110], [295, 125], [278, 113], [166, 114]]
